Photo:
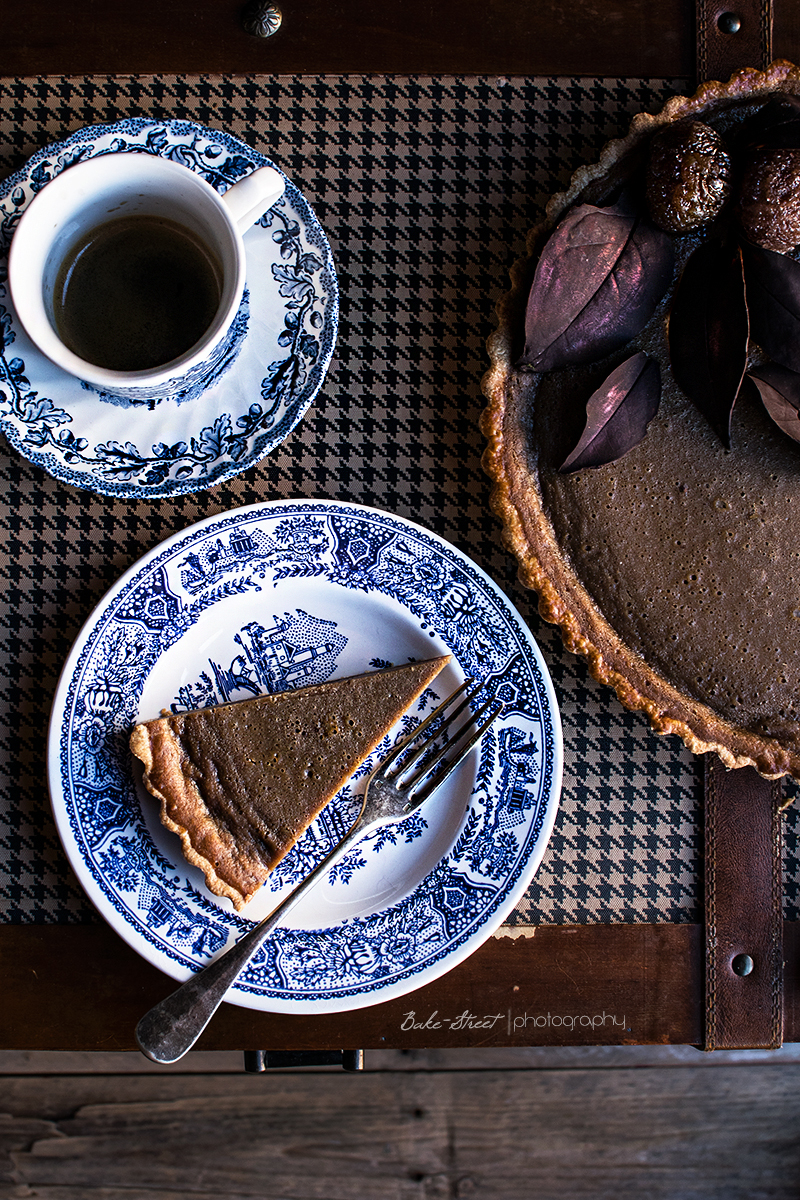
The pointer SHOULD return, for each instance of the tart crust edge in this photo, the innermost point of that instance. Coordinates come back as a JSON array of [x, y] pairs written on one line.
[[183, 811], [527, 532], [187, 795]]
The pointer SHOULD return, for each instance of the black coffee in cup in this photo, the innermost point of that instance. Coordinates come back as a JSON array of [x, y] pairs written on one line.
[[136, 292]]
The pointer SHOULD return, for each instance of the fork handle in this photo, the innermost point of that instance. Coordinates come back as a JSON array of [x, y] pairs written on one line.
[[173, 1025]]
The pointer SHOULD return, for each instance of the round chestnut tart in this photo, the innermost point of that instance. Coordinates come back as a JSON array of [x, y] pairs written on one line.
[[643, 418]]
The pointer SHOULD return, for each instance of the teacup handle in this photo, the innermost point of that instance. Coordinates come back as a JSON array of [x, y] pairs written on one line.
[[250, 198]]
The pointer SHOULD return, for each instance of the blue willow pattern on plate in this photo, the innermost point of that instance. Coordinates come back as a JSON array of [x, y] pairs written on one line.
[[315, 546], [49, 417]]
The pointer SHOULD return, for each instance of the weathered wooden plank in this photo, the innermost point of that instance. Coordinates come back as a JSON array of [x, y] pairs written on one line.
[[679, 1137], [17, 1133], [82, 988], [58, 1097], [302, 1135], [693, 1134], [462, 1058], [188, 1192]]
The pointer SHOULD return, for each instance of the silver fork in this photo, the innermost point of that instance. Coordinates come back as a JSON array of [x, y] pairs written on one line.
[[394, 790]]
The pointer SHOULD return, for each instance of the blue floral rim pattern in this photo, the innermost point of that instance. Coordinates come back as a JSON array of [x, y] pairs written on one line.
[[348, 584]]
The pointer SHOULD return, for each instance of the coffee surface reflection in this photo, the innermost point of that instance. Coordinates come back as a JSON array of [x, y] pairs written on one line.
[[135, 293]]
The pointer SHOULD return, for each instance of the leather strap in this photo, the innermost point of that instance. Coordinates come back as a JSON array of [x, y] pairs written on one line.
[[743, 901], [744, 886], [732, 36]]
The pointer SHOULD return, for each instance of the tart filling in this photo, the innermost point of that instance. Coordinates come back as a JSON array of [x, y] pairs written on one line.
[[240, 783], [674, 570]]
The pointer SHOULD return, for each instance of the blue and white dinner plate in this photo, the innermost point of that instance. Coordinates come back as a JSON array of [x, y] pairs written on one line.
[[278, 595], [279, 350]]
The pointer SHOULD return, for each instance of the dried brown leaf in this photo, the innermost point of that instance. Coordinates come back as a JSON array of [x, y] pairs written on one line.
[[618, 413], [779, 389], [709, 332], [598, 281]]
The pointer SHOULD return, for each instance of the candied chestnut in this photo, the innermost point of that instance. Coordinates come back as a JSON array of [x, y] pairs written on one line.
[[689, 176], [769, 203]]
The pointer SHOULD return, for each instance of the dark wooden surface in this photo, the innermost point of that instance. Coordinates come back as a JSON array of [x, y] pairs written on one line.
[[487, 37], [624, 37], [82, 988]]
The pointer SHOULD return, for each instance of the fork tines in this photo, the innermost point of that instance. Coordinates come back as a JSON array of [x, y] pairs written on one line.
[[437, 766]]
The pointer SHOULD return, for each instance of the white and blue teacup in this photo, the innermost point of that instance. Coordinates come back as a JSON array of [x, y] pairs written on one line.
[[104, 188]]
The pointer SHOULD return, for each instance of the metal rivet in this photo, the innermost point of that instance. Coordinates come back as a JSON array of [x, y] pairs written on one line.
[[729, 23], [742, 964], [261, 19]]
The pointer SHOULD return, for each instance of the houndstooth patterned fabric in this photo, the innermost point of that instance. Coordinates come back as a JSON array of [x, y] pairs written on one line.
[[426, 188]]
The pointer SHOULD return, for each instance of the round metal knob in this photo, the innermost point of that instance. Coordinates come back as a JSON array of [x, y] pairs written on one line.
[[729, 22], [742, 964], [261, 19]]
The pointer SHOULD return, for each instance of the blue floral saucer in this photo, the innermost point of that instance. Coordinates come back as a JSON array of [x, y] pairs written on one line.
[[280, 346], [274, 596]]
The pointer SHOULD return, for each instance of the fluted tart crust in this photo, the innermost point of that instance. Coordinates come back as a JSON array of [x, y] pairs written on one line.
[[674, 571], [241, 782]]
